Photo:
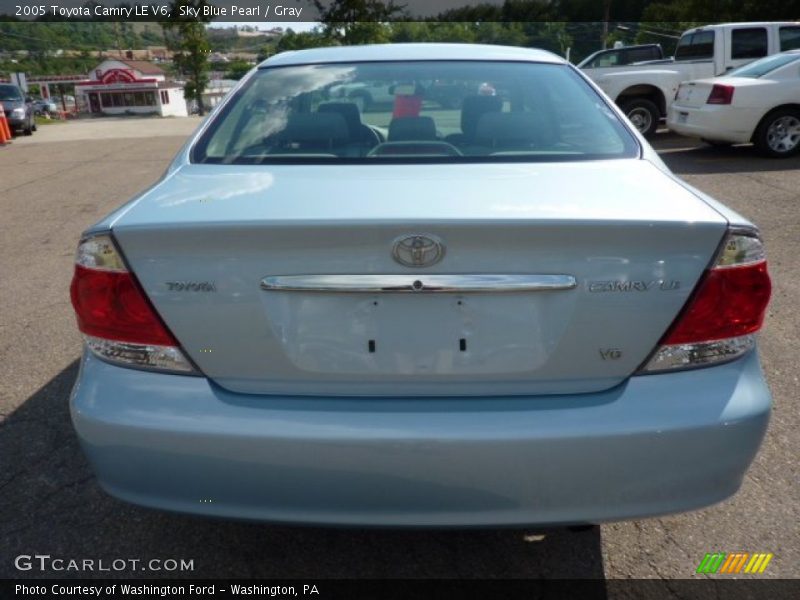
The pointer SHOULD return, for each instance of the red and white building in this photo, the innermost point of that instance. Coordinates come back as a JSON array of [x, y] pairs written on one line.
[[119, 86]]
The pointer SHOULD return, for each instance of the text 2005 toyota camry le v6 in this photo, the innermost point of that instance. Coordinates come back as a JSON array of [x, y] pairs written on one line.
[[478, 300]]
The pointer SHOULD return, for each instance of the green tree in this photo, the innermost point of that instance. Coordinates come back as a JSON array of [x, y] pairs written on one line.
[[552, 36], [266, 51], [357, 21], [237, 69], [292, 40], [665, 33], [187, 38], [430, 31], [716, 11], [506, 34]]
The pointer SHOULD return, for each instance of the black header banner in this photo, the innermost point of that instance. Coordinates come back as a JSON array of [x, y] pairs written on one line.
[[271, 11]]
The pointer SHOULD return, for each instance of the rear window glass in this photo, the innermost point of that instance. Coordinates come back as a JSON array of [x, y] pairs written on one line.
[[421, 111], [789, 38], [608, 59], [640, 54], [620, 57], [749, 43], [695, 46], [766, 65]]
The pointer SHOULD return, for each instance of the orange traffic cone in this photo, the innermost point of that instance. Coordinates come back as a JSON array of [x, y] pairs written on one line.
[[5, 130]]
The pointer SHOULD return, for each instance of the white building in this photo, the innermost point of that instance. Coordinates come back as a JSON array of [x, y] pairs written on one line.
[[216, 90], [119, 86]]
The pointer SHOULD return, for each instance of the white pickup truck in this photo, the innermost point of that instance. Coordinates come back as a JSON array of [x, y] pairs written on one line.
[[645, 91]]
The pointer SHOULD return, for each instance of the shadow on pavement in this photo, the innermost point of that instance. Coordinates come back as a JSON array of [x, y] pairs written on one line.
[[690, 156], [52, 505]]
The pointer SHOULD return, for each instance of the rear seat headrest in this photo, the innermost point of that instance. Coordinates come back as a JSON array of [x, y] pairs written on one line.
[[348, 111], [315, 127], [408, 129], [473, 107], [497, 129]]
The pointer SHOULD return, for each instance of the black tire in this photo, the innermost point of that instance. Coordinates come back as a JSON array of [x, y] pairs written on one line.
[[29, 129], [643, 114], [778, 134]]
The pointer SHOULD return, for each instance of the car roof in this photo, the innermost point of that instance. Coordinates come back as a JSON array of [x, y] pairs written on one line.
[[744, 24], [389, 52]]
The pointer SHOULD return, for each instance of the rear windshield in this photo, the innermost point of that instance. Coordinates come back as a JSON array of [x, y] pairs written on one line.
[[766, 65], [456, 111]]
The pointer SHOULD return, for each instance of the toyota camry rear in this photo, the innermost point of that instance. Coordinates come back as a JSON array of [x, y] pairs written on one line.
[[494, 308]]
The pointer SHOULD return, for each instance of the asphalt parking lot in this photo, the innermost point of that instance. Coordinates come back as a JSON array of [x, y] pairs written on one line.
[[67, 176]]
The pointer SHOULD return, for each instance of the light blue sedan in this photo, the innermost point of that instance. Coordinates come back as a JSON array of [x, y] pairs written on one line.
[[504, 313]]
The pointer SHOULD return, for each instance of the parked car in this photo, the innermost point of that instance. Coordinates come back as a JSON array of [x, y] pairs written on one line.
[[756, 103], [44, 106], [619, 57], [18, 109], [65, 102], [645, 92], [516, 317]]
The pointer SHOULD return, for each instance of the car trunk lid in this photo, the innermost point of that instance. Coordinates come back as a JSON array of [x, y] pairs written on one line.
[[219, 251]]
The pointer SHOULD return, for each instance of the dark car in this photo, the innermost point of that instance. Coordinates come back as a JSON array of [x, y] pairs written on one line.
[[43, 106], [18, 109]]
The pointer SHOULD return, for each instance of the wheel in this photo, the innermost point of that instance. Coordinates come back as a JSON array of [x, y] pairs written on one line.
[[30, 128], [643, 114], [778, 134]]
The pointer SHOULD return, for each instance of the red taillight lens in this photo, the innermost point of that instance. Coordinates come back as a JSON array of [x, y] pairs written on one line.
[[110, 305], [721, 94], [729, 302], [114, 314], [726, 308]]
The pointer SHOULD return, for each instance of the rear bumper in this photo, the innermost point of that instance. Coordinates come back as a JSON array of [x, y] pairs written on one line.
[[656, 444], [717, 123]]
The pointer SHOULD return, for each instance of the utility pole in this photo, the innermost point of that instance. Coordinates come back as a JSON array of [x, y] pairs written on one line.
[[606, 18], [116, 36]]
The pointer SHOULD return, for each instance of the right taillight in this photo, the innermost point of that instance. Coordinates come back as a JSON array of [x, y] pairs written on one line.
[[723, 313], [721, 94]]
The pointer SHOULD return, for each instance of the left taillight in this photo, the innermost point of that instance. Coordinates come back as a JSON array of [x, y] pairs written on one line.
[[118, 322]]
